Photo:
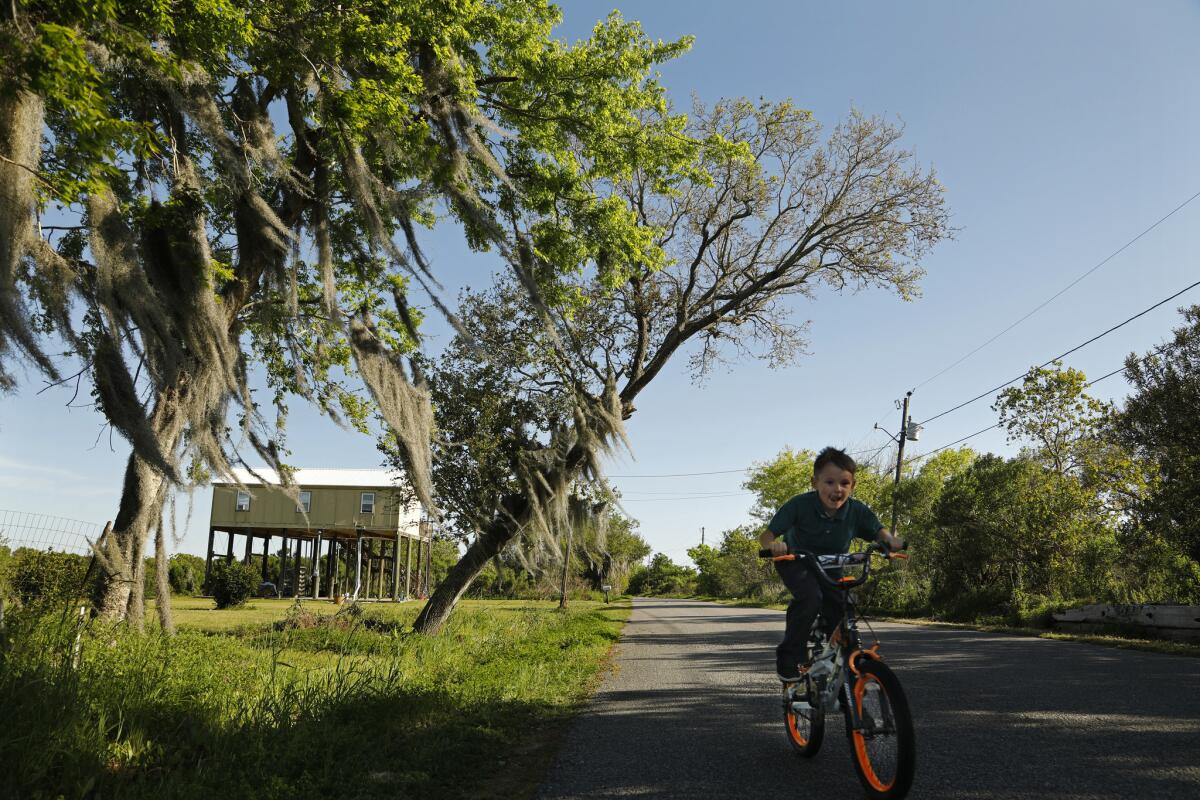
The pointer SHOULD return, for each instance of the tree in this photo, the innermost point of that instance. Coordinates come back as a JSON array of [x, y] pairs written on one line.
[[662, 576], [246, 182], [610, 562], [443, 554], [779, 480], [790, 473], [733, 569], [1160, 425], [767, 212], [1007, 530], [1051, 410], [186, 574]]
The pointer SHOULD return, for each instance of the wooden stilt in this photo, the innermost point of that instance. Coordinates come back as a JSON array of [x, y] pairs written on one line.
[[316, 567], [283, 567], [333, 569], [408, 568], [366, 592], [297, 567], [396, 568], [208, 556], [358, 559], [266, 556]]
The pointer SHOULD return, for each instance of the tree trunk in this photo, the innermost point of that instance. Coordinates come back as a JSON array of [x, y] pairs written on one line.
[[162, 582], [135, 609], [142, 496], [500, 532], [562, 598], [21, 120]]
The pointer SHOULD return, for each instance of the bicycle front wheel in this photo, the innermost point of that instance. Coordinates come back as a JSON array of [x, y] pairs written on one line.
[[805, 726], [883, 747]]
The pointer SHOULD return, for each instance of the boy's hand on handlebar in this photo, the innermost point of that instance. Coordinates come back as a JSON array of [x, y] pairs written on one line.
[[893, 543], [779, 548]]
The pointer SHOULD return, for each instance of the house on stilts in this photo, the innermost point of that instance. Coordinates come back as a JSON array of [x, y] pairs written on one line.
[[350, 535]]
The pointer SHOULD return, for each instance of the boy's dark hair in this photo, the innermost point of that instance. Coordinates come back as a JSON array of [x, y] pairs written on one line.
[[832, 455]]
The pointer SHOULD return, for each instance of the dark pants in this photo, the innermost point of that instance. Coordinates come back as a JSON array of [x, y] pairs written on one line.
[[809, 596]]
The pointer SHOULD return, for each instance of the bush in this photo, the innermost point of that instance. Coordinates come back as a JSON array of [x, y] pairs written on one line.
[[48, 578], [185, 572], [7, 562], [662, 576], [232, 583]]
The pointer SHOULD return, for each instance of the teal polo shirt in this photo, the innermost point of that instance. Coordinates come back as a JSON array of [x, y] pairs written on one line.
[[803, 524]]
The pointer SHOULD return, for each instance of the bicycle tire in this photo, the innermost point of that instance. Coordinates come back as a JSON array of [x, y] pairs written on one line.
[[884, 752], [805, 731]]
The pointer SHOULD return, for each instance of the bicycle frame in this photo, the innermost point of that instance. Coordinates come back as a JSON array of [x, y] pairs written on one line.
[[848, 649], [844, 673]]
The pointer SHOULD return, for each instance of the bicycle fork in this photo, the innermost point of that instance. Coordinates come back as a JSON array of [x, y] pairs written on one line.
[[868, 726]]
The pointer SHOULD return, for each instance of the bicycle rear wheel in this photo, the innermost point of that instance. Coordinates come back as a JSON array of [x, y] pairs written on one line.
[[883, 749], [805, 726]]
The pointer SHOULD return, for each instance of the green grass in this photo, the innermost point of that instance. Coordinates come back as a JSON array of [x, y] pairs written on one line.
[[265, 702]]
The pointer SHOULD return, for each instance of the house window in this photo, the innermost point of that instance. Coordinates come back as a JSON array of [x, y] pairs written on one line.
[[368, 503], [243, 502], [305, 503]]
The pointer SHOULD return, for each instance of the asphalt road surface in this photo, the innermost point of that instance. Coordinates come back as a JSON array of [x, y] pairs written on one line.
[[692, 710]]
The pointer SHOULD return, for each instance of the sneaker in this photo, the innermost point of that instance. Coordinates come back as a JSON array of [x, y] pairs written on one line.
[[790, 673]]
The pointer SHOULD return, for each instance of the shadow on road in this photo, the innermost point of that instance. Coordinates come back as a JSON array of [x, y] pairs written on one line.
[[692, 710]]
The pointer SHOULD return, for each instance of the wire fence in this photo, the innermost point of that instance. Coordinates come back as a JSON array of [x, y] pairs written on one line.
[[47, 533]]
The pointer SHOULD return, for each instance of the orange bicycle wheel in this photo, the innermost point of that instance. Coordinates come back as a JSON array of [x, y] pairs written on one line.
[[805, 726], [883, 748]]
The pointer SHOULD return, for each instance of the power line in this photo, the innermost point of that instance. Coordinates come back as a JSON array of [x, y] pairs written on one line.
[[1111, 256], [1062, 355], [685, 474], [719, 471], [698, 493], [682, 497], [997, 425]]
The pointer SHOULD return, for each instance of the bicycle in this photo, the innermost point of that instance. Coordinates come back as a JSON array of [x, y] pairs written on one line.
[[843, 674]]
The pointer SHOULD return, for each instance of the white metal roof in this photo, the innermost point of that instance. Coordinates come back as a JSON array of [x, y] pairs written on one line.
[[318, 477]]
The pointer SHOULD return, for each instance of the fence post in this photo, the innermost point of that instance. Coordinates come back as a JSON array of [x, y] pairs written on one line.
[[78, 646]]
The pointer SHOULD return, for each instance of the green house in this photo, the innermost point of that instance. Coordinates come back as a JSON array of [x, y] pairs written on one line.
[[337, 532]]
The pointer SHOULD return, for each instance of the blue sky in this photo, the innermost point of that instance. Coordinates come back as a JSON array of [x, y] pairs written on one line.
[[1061, 131]]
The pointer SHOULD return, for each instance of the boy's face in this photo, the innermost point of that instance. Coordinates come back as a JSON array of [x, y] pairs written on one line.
[[834, 486]]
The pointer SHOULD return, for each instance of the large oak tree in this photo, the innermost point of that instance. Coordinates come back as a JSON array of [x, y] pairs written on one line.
[[187, 189], [772, 210]]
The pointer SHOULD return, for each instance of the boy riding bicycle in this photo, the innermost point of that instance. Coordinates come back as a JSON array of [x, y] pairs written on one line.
[[822, 521]]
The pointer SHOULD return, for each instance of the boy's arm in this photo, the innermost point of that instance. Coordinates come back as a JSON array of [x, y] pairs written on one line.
[[769, 540], [885, 537]]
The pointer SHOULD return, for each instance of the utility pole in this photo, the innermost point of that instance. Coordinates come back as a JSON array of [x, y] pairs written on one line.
[[900, 456], [702, 536]]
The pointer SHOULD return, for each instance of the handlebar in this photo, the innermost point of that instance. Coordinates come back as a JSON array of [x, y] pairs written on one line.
[[828, 562]]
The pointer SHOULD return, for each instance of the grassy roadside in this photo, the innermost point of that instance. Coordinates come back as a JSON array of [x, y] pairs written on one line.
[[274, 701], [1106, 640]]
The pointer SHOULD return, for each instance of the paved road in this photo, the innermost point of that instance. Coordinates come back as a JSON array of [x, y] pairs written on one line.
[[691, 710]]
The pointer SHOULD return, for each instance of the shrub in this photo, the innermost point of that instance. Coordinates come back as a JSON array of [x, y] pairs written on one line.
[[7, 561], [232, 583], [662, 576], [185, 572], [47, 577]]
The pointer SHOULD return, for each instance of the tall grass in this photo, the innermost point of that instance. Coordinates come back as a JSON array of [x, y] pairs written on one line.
[[304, 706]]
